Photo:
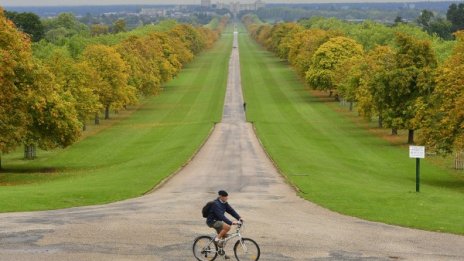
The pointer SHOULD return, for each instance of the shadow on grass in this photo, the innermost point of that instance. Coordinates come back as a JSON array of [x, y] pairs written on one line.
[[31, 170], [456, 185], [10, 177]]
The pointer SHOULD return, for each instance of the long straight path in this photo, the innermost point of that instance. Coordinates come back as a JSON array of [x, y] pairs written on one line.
[[163, 224]]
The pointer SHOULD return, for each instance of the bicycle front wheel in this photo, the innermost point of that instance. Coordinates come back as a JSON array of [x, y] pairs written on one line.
[[246, 249], [204, 249]]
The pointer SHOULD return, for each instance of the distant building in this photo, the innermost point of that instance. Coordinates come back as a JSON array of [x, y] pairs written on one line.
[[152, 12], [236, 7]]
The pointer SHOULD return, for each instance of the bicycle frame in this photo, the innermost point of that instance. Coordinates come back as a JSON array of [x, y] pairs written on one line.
[[230, 237]]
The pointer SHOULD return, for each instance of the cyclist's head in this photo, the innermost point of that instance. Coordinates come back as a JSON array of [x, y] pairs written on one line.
[[223, 195]]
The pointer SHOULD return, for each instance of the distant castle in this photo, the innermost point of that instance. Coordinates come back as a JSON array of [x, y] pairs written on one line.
[[234, 7]]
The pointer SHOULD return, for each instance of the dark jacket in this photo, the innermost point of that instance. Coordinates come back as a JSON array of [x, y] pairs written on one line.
[[217, 210]]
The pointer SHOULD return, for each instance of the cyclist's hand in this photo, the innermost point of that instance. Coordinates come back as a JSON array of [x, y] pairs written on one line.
[[234, 222]]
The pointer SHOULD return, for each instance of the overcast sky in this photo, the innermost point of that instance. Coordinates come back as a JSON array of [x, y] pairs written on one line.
[[129, 2]]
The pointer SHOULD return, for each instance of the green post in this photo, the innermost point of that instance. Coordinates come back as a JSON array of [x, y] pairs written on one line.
[[417, 174]]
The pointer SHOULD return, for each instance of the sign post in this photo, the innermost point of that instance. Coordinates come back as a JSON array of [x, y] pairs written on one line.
[[417, 152]]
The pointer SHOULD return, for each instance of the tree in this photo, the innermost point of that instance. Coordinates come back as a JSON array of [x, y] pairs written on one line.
[[173, 54], [65, 24], [442, 28], [99, 29], [435, 25], [78, 79], [348, 78], [54, 120], [303, 46], [112, 73], [425, 18], [372, 93], [189, 36], [442, 116], [278, 33], [409, 81], [15, 64], [119, 26], [263, 35], [327, 58], [57, 36], [28, 23], [142, 56], [455, 15]]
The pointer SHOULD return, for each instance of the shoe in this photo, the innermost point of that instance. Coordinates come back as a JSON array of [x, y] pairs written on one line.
[[226, 257], [219, 243]]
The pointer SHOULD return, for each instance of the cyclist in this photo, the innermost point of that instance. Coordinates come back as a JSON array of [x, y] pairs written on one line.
[[217, 220]]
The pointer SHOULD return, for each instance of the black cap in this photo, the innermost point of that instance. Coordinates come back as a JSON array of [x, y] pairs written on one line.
[[223, 193]]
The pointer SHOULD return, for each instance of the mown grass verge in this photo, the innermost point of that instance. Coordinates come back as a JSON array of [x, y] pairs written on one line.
[[129, 158], [336, 163]]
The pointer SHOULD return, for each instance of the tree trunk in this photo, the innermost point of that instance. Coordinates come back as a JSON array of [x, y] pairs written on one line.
[[0, 162], [394, 132], [411, 137], [107, 112], [29, 152], [97, 119], [84, 127], [380, 121], [351, 106]]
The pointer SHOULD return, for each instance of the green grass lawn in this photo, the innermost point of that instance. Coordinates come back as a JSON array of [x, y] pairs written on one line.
[[132, 156], [335, 162]]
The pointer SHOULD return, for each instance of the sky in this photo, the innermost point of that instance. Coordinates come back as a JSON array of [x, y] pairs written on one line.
[[154, 2]]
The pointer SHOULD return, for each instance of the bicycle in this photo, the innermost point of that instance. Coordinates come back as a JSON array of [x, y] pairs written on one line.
[[205, 249]]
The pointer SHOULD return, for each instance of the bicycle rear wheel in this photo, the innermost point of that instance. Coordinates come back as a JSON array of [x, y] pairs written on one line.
[[247, 250], [204, 249]]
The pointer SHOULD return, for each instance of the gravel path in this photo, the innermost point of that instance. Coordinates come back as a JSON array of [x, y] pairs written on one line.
[[163, 224]]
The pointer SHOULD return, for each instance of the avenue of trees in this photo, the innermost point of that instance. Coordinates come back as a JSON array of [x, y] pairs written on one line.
[[49, 91], [400, 75]]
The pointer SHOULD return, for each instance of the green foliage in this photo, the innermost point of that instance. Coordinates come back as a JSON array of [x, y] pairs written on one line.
[[67, 21], [410, 81], [432, 25], [112, 73], [189, 36], [16, 65], [54, 119], [455, 15], [28, 23], [119, 26], [79, 79], [142, 55], [442, 116], [372, 94], [327, 59]]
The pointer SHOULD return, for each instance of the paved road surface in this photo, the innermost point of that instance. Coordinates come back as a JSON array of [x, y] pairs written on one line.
[[162, 225]]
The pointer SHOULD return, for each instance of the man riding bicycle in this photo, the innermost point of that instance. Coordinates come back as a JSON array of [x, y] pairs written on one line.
[[217, 220]]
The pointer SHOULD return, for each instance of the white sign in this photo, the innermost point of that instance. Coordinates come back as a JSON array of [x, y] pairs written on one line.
[[417, 152]]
